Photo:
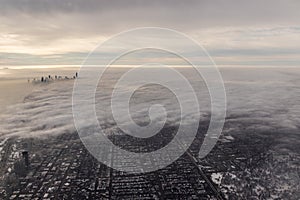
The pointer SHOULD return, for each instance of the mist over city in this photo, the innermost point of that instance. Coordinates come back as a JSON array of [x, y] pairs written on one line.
[[149, 99]]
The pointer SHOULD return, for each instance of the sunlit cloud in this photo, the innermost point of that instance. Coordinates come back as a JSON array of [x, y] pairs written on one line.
[[64, 32]]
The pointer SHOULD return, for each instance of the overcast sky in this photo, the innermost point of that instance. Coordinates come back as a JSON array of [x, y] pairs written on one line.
[[235, 32]]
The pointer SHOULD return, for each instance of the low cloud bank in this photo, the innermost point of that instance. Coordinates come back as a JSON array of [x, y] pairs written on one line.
[[261, 100]]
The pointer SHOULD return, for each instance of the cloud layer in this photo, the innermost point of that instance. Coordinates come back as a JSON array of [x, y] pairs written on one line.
[[259, 100], [63, 32]]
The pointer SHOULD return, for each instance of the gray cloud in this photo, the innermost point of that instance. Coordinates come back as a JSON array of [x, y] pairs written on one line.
[[110, 16], [60, 26], [220, 10]]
